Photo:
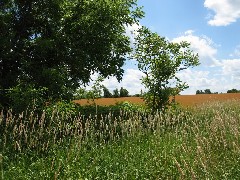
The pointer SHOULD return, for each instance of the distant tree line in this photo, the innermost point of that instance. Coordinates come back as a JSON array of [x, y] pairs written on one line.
[[100, 92], [206, 91], [233, 91], [116, 93]]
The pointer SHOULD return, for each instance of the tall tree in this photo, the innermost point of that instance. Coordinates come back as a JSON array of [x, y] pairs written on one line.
[[160, 60], [123, 92], [58, 44], [207, 91], [106, 92], [115, 93]]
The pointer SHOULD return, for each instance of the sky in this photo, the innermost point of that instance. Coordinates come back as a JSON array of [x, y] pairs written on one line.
[[212, 29]]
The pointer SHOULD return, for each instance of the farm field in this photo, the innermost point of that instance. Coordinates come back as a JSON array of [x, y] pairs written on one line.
[[184, 100]]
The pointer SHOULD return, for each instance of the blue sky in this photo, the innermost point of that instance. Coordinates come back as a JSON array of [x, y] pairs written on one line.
[[212, 28]]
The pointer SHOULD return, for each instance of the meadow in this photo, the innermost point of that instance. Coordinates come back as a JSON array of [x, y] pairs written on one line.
[[125, 142]]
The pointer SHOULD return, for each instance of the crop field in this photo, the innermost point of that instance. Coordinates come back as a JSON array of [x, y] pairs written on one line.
[[184, 100]]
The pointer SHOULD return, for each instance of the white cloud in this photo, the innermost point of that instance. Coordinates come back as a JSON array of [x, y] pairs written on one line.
[[204, 46], [231, 72], [226, 76], [131, 32], [226, 11], [199, 80], [231, 68], [131, 81]]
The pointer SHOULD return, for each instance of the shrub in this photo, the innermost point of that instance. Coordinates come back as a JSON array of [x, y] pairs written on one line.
[[26, 96]]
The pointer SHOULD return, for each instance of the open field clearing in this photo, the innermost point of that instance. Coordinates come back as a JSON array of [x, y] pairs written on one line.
[[184, 100]]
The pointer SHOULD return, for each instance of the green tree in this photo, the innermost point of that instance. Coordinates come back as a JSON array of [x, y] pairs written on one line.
[[58, 44], [115, 93], [207, 91], [199, 92], [106, 92], [160, 60], [80, 93], [123, 92], [233, 91], [94, 93]]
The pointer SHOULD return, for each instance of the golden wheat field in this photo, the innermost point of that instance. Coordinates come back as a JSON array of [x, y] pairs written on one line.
[[184, 100]]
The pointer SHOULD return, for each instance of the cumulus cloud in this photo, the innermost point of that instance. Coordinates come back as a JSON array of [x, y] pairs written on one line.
[[131, 32], [231, 67], [226, 11], [131, 81], [204, 46], [199, 80]]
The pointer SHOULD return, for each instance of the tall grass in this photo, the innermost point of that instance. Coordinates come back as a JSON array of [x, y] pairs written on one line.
[[196, 143]]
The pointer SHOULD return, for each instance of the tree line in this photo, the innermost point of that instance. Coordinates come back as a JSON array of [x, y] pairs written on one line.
[[233, 91], [208, 91], [102, 92]]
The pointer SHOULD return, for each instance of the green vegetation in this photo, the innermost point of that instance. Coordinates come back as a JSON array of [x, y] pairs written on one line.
[[206, 91], [59, 44], [49, 49], [233, 91], [106, 93], [99, 91], [197, 143], [123, 92], [160, 61]]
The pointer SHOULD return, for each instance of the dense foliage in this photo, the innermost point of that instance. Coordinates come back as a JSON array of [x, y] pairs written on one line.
[[123, 92], [160, 61], [58, 44], [233, 91], [206, 91]]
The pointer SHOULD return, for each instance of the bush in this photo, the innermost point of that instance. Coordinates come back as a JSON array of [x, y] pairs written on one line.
[[62, 108], [26, 96]]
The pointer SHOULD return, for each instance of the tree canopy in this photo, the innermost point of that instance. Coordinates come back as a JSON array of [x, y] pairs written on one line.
[[206, 91], [123, 92], [160, 60], [115, 93], [106, 93], [233, 91], [59, 44]]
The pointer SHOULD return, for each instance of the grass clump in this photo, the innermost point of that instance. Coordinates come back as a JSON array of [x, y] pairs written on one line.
[[197, 143]]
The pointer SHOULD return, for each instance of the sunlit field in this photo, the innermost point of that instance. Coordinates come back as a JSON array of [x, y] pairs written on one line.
[[183, 100], [201, 142]]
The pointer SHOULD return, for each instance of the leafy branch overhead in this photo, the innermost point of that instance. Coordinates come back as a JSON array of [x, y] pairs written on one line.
[[59, 44], [160, 61]]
